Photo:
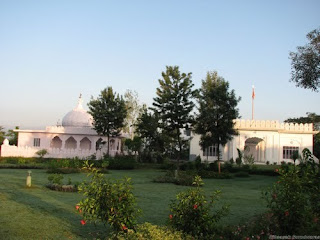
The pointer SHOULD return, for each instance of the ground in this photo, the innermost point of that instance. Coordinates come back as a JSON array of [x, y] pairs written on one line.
[[40, 213]]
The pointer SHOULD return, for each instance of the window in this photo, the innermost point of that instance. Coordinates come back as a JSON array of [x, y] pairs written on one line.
[[211, 151], [288, 151], [36, 142]]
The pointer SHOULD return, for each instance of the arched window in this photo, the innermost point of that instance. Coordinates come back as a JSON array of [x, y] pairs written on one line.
[[71, 143], [56, 142], [85, 144]]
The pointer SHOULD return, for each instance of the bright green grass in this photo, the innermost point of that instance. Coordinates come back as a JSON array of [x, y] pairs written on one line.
[[39, 213]]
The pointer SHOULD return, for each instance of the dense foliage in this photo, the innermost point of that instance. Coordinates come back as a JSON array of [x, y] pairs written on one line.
[[293, 200], [147, 231], [174, 104], [108, 112], [193, 214], [305, 63], [109, 201], [217, 110]]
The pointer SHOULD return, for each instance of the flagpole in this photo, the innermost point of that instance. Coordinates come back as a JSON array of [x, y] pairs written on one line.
[[253, 95]]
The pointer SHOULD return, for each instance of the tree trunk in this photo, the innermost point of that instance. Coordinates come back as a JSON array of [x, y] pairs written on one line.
[[108, 145], [179, 154]]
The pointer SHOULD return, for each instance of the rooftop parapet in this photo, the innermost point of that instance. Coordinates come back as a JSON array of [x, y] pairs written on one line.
[[271, 125]]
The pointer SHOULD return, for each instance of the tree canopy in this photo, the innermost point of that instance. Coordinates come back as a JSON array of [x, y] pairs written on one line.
[[217, 110], [305, 63], [174, 103], [13, 136], [2, 135], [108, 112], [134, 110]]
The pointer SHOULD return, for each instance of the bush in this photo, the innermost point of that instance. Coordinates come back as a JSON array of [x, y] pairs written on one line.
[[55, 179], [121, 162], [184, 178], [42, 152], [109, 201], [193, 214], [147, 231], [294, 200]]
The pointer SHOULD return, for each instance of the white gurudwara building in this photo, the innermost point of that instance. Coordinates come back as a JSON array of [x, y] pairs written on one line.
[[264, 140], [75, 137]]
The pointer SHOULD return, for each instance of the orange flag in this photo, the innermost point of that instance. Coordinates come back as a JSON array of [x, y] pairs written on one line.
[[253, 94]]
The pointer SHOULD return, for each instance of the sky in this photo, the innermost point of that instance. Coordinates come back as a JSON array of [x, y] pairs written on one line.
[[51, 51]]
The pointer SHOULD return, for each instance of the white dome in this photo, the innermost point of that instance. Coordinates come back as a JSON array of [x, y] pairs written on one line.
[[78, 117]]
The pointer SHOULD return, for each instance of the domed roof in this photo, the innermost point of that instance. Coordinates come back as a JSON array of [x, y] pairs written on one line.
[[78, 117]]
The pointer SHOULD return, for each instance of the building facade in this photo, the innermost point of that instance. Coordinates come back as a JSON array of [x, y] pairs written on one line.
[[263, 140], [75, 137]]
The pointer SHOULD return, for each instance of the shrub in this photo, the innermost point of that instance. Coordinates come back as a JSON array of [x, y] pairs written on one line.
[[184, 178], [55, 179], [121, 162], [167, 178], [267, 162], [147, 231], [109, 201], [248, 159], [293, 200], [193, 214], [227, 166], [42, 152]]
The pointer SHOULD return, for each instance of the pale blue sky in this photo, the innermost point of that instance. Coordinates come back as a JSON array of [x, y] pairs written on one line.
[[51, 51]]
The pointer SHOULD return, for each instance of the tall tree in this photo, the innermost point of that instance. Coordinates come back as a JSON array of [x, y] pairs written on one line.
[[310, 118], [305, 63], [217, 110], [174, 104], [108, 112], [134, 110]]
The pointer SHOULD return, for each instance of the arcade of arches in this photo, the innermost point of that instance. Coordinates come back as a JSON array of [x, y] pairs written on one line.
[[84, 143]]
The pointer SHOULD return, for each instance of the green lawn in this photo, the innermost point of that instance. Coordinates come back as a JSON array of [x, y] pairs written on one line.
[[39, 213]]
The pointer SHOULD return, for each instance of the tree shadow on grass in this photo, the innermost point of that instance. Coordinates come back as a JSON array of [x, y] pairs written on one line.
[[50, 207]]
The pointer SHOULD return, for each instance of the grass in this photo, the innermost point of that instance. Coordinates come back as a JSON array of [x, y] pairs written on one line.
[[39, 213]]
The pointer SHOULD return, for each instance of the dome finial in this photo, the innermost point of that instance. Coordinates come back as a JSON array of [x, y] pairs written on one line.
[[79, 106]]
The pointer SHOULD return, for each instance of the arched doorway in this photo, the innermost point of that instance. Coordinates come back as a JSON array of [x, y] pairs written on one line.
[[85, 144], [71, 143], [56, 142], [99, 144], [255, 147]]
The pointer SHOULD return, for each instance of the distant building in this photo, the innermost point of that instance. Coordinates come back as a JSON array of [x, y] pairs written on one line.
[[75, 137], [263, 140]]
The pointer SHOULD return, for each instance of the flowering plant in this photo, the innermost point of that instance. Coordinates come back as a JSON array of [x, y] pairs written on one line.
[[111, 202], [291, 200], [193, 214]]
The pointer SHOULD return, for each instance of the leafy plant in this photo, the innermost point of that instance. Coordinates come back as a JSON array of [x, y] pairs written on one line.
[[41, 153], [293, 200], [193, 214], [147, 231], [55, 179], [239, 158], [109, 201]]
